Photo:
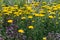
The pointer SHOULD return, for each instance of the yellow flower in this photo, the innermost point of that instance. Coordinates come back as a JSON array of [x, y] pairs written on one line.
[[16, 13], [58, 17], [16, 6], [52, 13], [42, 11], [41, 15], [36, 4], [27, 12], [33, 21], [0, 14], [49, 8], [44, 38], [36, 14], [10, 21], [10, 12], [58, 6], [44, 2], [52, 16], [30, 16], [30, 27], [5, 8], [12, 8], [55, 8], [49, 11], [32, 10], [57, 22], [43, 7], [23, 17], [21, 31], [19, 10], [29, 8], [5, 11]]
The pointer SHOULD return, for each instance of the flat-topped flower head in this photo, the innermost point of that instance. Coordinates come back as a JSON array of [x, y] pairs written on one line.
[[10, 21], [21, 31], [52, 16], [30, 27], [23, 17], [30, 16]]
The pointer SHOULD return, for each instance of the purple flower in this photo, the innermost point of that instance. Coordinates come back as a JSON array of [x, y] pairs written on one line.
[[1, 38], [11, 31]]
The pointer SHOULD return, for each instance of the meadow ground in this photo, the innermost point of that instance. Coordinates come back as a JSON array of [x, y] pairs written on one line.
[[29, 20]]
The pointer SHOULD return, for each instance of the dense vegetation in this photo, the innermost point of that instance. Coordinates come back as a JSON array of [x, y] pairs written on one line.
[[29, 20]]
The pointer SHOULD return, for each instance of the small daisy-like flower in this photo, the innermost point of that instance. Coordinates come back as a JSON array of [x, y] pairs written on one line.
[[23, 17], [30, 27], [10, 21], [30, 16], [52, 16], [33, 21], [21, 31], [44, 38]]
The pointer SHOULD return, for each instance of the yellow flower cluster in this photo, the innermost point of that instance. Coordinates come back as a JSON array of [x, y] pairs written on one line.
[[30, 11]]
